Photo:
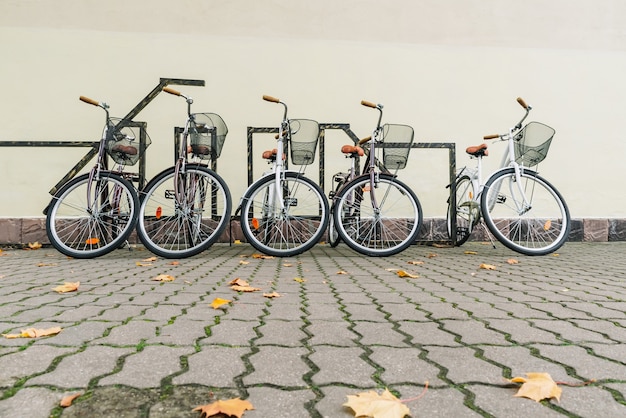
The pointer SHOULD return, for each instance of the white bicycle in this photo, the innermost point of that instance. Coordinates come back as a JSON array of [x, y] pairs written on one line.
[[284, 213], [520, 208]]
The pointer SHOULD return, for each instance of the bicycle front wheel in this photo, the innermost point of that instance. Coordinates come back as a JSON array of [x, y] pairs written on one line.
[[181, 217], [87, 219], [467, 211], [528, 216], [380, 227], [286, 228], [333, 236]]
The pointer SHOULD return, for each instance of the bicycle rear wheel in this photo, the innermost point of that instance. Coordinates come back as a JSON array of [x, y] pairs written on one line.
[[182, 224], [467, 211], [538, 226], [333, 236], [87, 219], [383, 232], [288, 231]]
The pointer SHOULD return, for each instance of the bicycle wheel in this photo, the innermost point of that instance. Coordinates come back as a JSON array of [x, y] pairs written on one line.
[[87, 219], [183, 224], [467, 211], [333, 236], [536, 227], [288, 231], [386, 231]]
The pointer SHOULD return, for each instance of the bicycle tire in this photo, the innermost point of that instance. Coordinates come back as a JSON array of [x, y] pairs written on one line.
[[467, 211], [288, 233], [87, 228], [174, 227], [391, 231], [333, 236], [539, 229]]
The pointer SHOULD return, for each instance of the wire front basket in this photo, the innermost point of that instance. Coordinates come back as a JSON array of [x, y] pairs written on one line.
[[397, 141], [207, 135], [532, 143], [304, 134], [124, 141]]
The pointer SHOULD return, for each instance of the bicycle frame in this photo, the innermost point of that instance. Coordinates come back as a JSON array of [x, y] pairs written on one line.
[[507, 160]]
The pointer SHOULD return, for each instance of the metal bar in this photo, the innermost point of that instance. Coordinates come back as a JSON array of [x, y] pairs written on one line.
[[158, 89], [69, 144], [79, 166]]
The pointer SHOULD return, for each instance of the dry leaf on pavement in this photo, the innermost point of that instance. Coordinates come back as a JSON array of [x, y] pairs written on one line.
[[272, 295], [34, 333], [371, 404], [232, 407], [164, 278], [487, 266], [67, 400], [218, 302], [538, 386], [67, 287]]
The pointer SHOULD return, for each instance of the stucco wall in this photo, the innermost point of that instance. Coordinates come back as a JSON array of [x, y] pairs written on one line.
[[450, 69]]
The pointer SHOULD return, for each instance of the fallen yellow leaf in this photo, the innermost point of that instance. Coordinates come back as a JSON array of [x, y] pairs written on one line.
[[287, 265], [300, 280], [174, 263], [164, 278], [272, 295], [371, 404], [238, 288], [238, 282], [512, 261], [237, 241], [34, 333], [262, 256], [244, 262], [232, 407], [402, 273], [537, 387], [140, 264], [217, 302], [67, 287], [342, 272], [470, 252], [419, 263], [431, 255], [34, 245], [487, 266], [67, 400], [47, 264], [150, 259]]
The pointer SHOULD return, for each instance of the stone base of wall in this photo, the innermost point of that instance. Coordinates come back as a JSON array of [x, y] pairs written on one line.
[[20, 231]]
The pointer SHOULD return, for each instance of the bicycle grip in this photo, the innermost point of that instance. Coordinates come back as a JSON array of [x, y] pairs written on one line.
[[522, 103], [364, 140], [494, 136], [270, 99], [171, 91], [368, 104], [90, 101]]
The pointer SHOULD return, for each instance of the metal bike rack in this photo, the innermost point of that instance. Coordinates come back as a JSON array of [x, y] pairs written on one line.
[[139, 177]]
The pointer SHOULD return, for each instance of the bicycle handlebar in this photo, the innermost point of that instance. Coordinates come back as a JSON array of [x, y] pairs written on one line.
[[270, 99], [368, 104], [89, 101], [522, 103], [171, 91], [364, 140], [494, 136]]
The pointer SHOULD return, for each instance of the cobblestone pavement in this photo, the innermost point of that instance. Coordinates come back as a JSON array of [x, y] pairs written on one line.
[[134, 347]]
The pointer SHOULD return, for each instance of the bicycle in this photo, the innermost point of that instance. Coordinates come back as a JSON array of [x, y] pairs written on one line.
[[353, 152], [94, 213], [520, 208], [375, 213], [284, 213], [185, 208]]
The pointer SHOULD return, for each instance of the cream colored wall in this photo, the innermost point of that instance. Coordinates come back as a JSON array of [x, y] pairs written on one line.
[[450, 69]]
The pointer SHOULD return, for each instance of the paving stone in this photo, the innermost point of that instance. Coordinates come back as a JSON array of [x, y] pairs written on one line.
[[278, 366], [586, 366], [473, 332], [270, 402], [283, 333], [19, 364], [342, 366], [214, 366], [181, 332], [501, 402], [403, 365], [332, 333], [79, 334], [427, 333], [30, 402], [131, 333], [523, 332], [378, 333], [462, 365], [77, 370], [147, 368], [235, 333]]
